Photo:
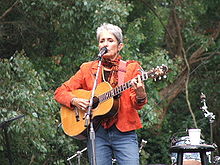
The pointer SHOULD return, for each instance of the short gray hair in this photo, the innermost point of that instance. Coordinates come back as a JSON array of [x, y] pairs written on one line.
[[115, 30]]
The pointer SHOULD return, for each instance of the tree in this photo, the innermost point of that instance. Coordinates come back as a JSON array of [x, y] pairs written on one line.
[[54, 37]]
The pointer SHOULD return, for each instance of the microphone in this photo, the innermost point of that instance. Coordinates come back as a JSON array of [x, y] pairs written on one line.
[[102, 51]]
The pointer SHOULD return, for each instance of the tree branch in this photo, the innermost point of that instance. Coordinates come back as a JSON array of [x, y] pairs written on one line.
[[9, 10], [187, 88], [199, 52], [32, 159], [172, 91], [178, 30], [207, 57]]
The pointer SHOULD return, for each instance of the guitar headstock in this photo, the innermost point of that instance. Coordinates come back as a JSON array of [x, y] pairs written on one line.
[[157, 73]]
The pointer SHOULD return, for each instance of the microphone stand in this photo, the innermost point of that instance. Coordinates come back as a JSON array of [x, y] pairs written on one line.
[[4, 125], [88, 115], [78, 154], [211, 118], [143, 143]]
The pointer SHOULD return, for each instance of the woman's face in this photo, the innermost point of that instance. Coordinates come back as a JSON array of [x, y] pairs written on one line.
[[109, 41]]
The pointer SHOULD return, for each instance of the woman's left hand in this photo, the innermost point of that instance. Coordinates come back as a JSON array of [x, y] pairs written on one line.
[[139, 87]]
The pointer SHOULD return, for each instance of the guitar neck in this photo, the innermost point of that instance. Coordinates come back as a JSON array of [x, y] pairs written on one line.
[[154, 73], [116, 91]]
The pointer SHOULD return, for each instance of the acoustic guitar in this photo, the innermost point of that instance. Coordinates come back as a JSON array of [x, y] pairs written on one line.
[[104, 104]]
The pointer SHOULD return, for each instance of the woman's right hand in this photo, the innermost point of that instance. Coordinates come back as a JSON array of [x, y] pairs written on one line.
[[80, 103]]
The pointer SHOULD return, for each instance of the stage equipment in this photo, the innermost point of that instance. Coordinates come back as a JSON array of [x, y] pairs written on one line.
[[78, 155], [188, 158], [210, 116]]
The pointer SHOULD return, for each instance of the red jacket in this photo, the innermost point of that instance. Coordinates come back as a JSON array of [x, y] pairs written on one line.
[[128, 118]]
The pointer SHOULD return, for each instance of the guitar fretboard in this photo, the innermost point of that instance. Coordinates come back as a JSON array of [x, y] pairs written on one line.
[[154, 73], [116, 91]]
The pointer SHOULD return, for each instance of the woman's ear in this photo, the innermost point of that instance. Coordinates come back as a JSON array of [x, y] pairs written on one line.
[[120, 46]]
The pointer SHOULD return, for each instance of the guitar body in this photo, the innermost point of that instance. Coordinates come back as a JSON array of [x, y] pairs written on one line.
[[105, 109]]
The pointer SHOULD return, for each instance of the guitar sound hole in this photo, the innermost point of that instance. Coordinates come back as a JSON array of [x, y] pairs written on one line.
[[95, 102]]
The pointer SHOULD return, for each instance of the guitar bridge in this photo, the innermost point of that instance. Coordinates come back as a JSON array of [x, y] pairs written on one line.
[[77, 114]]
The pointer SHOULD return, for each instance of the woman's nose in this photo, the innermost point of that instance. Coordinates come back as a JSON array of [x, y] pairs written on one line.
[[105, 43]]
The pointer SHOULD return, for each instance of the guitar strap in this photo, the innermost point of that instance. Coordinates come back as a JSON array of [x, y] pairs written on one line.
[[121, 72]]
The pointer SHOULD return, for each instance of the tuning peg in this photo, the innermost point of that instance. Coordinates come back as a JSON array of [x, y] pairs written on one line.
[[165, 76], [159, 78]]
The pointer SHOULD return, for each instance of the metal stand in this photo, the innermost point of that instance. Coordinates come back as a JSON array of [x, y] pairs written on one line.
[[211, 118], [88, 115], [78, 155], [4, 125], [143, 143]]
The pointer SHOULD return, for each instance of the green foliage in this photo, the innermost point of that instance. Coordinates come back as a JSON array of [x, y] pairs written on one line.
[[24, 92], [68, 29], [150, 114], [133, 38], [58, 36]]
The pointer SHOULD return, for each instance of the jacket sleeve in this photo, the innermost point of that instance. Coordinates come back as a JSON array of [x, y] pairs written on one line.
[[63, 94]]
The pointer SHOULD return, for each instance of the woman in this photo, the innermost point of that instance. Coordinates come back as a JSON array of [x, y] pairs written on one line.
[[116, 135]]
